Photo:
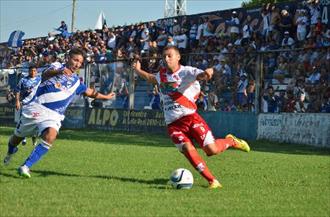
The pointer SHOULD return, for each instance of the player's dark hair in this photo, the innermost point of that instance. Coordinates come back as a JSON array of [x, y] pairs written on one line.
[[32, 66], [77, 51]]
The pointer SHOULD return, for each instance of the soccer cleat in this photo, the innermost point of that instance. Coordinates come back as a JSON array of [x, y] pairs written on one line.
[[239, 143], [215, 184], [24, 171], [34, 141], [24, 141], [6, 160], [8, 157]]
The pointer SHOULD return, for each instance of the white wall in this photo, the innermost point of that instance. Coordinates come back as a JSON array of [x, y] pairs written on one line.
[[312, 129]]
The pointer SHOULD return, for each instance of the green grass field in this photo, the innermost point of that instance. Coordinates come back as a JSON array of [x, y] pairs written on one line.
[[95, 173]]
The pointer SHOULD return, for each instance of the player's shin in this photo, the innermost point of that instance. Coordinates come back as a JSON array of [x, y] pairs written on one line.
[[12, 149], [198, 163], [39, 151]]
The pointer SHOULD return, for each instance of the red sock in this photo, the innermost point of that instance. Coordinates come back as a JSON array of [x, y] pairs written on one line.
[[199, 164], [224, 144]]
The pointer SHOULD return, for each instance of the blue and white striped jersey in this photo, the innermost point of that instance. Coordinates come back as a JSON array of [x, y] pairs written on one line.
[[27, 88], [57, 92]]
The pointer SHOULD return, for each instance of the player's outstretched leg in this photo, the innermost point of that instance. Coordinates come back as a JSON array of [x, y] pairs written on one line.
[[239, 143], [199, 164], [12, 148], [37, 153]]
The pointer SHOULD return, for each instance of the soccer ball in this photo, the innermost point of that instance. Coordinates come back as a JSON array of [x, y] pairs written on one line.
[[181, 179]]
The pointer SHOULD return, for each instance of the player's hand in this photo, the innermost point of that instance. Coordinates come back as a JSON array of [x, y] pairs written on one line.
[[209, 73], [137, 65], [110, 95]]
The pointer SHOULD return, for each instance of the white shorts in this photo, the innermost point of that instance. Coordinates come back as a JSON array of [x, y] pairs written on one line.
[[35, 118]]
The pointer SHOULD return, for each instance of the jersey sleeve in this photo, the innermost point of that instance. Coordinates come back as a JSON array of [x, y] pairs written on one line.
[[193, 71], [81, 89], [18, 87], [157, 76]]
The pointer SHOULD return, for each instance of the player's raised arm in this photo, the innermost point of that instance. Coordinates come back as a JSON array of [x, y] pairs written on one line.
[[146, 75], [206, 75], [92, 93]]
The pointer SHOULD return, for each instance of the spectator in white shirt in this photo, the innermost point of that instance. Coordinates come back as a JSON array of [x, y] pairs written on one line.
[[234, 25], [301, 23], [287, 40]]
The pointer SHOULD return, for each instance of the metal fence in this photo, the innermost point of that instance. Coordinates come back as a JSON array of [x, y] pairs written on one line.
[[269, 81]]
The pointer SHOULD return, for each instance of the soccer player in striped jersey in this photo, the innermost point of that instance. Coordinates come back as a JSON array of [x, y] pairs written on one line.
[[25, 91], [179, 89], [45, 111]]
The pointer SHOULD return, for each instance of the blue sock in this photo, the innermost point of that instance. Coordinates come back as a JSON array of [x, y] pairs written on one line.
[[12, 149], [39, 151]]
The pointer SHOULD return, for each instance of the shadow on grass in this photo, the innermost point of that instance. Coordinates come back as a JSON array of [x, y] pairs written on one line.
[[2, 173], [46, 173], [285, 148], [121, 138], [102, 136]]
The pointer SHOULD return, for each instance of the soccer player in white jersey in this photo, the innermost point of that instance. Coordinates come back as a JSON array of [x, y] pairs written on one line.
[[25, 91], [179, 89], [46, 111]]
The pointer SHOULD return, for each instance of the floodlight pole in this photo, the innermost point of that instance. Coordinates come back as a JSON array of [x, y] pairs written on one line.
[[73, 15]]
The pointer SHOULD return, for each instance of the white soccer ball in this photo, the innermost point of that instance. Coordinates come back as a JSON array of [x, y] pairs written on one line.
[[181, 179]]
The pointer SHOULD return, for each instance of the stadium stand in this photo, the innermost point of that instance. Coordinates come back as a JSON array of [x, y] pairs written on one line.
[[287, 42]]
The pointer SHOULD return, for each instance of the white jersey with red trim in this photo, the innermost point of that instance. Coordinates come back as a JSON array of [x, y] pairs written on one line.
[[179, 91]]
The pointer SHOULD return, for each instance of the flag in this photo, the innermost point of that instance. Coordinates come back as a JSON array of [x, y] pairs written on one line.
[[15, 39], [100, 21]]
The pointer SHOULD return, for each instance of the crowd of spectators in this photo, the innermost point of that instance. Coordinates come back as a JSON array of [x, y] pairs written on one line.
[[291, 47]]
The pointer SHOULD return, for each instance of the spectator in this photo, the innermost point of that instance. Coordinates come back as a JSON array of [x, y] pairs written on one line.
[[289, 102], [287, 41], [315, 12], [301, 23], [247, 31], [193, 34], [266, 16], [251, 95], [275, 23], [242, 90], [286, 22], [212, 100], [314, 77], [234, 25], [272, 101], [155, 99], [161, 40], [300, 94]]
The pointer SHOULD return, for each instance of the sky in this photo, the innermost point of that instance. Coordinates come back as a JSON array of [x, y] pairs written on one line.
[[37, 18]]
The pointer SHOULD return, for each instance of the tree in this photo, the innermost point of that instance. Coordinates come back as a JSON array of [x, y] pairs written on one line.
[[258, 3]]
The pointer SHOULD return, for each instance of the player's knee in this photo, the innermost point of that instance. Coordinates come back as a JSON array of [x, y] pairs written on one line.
[[46, 144], [49, 135], [186, 147], [210, 149], [180, 147]]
